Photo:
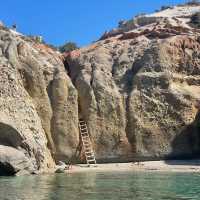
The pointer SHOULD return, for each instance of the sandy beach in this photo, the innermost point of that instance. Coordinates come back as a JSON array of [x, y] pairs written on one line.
[[163, 166]]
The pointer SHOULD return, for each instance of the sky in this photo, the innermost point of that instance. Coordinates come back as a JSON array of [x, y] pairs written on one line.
[[80, 21]]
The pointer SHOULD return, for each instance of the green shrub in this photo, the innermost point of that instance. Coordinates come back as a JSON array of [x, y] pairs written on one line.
[[67, 47], [140, 14], [165, 7], [193, 2], [195, 20]]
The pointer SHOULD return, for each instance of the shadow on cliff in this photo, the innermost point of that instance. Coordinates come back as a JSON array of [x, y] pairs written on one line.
[[186, 145], [9, 136]]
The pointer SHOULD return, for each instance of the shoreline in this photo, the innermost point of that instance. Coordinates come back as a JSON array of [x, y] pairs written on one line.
[[160, 166]]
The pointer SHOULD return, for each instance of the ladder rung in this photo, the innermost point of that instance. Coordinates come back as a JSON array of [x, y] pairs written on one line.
[[87, 154], [93, 157], [88, 149], [92, 153], [84, 134], [82, 125], [87, 146], [86, 143], [89, 162], [84, 129], [92, 160], [90, 157], [86, 138]]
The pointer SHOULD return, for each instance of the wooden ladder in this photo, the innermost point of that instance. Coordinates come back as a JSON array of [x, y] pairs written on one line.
[[87, 145]]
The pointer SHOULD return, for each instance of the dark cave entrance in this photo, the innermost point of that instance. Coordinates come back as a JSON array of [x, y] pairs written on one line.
[[8, 137], [7, 170]]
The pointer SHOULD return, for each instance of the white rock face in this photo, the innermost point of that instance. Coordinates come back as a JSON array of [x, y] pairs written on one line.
[[176, 16], [176, 11], [38, 103], [182, 14]]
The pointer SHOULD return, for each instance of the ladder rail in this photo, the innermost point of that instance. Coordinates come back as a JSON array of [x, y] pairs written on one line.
[[86, 141]]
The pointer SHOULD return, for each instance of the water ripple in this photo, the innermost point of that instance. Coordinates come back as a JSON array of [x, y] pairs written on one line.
[[102, 186]]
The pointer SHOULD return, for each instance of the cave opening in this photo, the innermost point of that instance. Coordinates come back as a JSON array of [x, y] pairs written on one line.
[[9, 136], [6, 169], [67, 67]]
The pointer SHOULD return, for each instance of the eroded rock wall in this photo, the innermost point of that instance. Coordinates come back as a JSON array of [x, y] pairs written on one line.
[[138, 89], [139, 96], [38, 103]]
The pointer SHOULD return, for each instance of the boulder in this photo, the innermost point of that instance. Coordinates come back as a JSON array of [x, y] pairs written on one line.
[[13, 162]]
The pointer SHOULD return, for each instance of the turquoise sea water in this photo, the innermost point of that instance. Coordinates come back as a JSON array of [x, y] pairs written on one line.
[[102, 186]]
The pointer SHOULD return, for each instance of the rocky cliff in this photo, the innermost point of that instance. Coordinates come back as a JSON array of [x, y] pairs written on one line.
[[138, 88], [38, 105]]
